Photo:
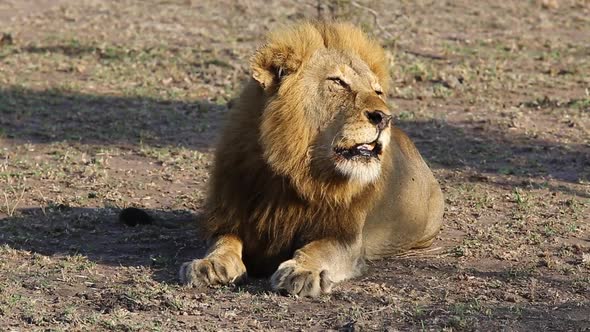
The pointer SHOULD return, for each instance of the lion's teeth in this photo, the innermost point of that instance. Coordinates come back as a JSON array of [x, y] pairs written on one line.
[[366, 147]]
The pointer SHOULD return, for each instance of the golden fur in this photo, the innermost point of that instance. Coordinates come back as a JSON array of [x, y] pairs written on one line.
[[290, 188]]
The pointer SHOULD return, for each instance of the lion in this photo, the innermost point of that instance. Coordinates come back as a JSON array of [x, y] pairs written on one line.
[[310, 177]]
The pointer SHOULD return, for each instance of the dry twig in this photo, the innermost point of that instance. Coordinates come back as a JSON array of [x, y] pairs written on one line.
[[375, 18]]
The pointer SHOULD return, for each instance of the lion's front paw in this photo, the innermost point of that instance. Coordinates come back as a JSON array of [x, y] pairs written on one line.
[[212, 271], [299, 280]]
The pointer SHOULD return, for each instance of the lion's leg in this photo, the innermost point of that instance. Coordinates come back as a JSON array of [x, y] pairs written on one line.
[[315, 268], [222, 264]]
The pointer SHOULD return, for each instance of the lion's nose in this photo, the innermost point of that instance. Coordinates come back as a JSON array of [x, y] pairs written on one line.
[[378, 118]]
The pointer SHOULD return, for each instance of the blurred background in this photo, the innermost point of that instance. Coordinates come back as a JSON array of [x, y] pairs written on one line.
[[110, 104]]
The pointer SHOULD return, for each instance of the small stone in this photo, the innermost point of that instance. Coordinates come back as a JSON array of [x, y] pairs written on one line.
[[134, 216], [6, 39]]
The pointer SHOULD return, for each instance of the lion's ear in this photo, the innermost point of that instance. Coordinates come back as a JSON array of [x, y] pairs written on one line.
[[271, 63]]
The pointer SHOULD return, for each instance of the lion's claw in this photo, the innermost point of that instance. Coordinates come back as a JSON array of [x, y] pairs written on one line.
[[211, 271], [298, 280]]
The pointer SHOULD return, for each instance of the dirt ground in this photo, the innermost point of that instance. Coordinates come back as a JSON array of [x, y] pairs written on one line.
[[110, 104]]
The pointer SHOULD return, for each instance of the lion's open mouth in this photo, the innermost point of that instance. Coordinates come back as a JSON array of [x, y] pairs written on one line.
[[364, 150]]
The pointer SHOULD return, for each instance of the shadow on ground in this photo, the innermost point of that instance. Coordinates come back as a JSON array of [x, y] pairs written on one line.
[[98, 234], [487, 150], [61, 116]]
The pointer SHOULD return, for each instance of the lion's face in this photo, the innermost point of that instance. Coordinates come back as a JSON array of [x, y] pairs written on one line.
[[346, 106], [324, 116]]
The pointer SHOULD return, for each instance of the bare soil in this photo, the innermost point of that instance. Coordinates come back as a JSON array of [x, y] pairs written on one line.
[[110, 104]]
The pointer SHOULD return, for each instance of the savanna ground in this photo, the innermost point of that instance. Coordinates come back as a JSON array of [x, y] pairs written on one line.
[[110, 104]]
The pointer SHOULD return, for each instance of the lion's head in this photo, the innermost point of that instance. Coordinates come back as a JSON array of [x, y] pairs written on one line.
[[325, 115]]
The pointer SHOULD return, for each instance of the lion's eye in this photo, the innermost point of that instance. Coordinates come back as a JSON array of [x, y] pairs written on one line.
[[339, 81], [379, 92], [281, 73]]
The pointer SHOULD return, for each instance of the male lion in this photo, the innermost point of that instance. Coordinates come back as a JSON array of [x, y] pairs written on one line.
[[310, 176]]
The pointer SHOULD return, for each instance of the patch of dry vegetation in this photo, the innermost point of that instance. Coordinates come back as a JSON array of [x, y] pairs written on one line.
[[105, 105]]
